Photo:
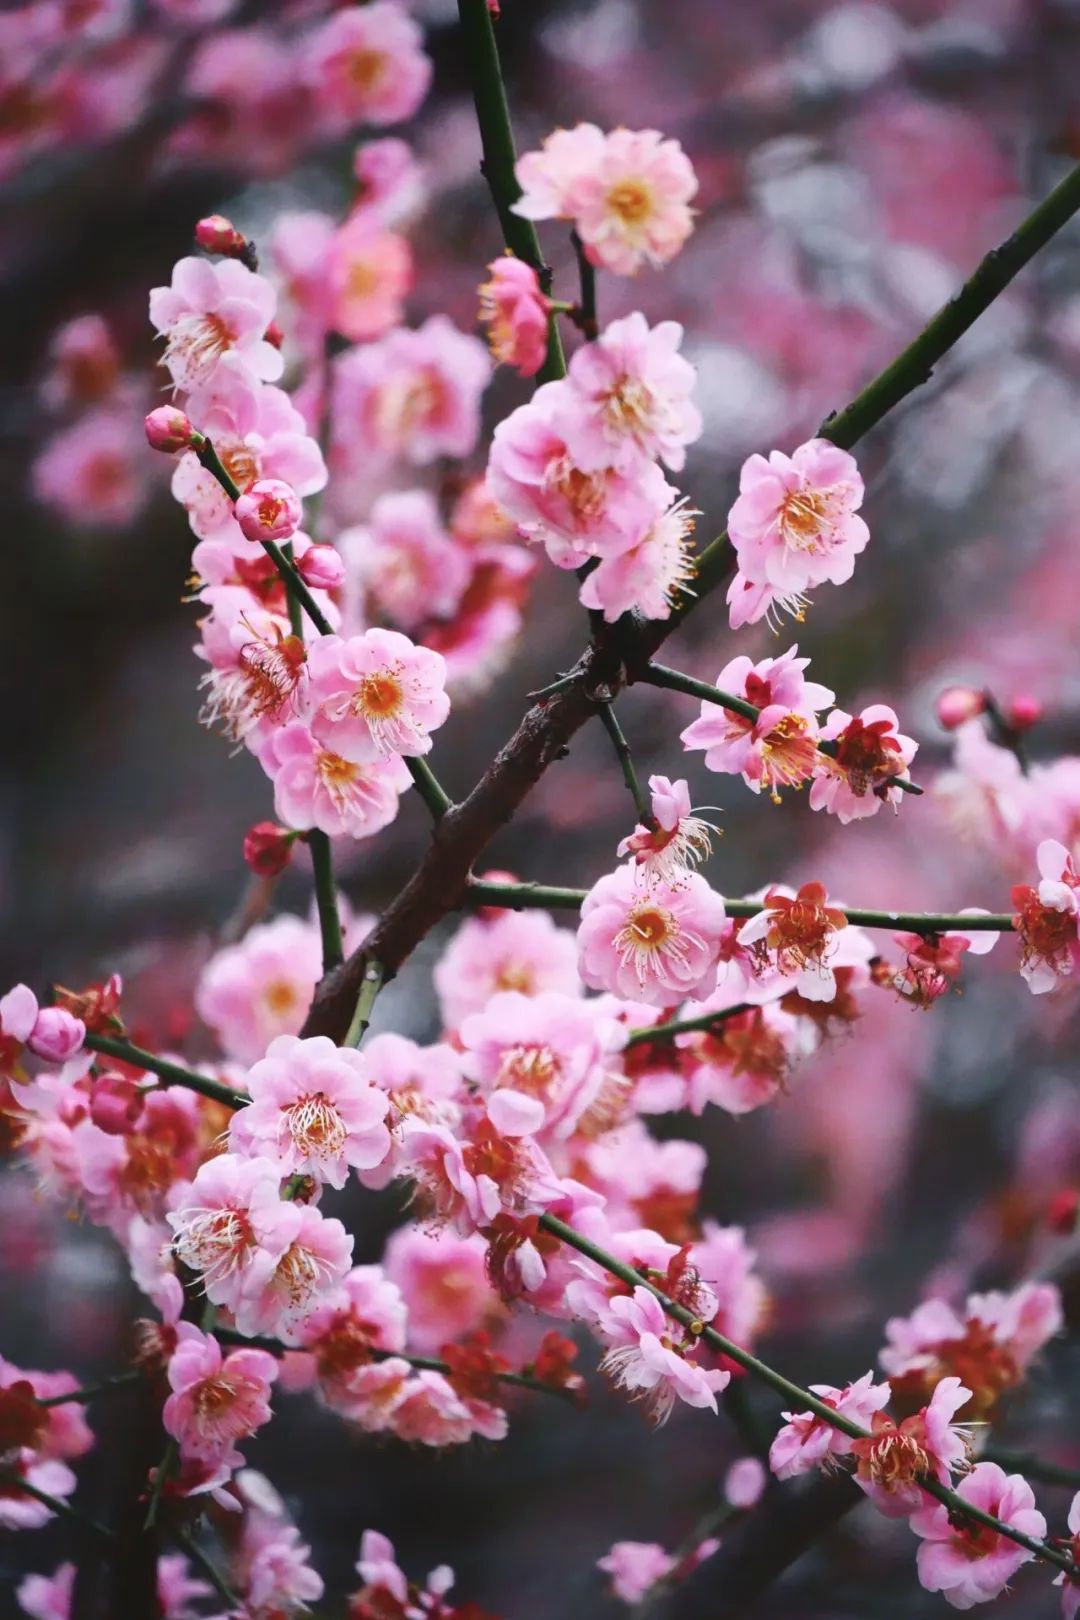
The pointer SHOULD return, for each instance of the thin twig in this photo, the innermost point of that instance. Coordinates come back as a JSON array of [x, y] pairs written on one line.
[[171, 1073], [90, 1392], [55, 1504], [641, 799], [365, 1002]]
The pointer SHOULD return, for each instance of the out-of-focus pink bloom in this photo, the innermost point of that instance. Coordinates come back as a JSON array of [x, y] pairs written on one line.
[[369, 275], [48, 1597], [1070, 1596], [366, 1312], [744, 1483], [18, 1015], [958, 704], [314, 787], [743, 1063], [1023, 711], [91, 473], [524, 951], [963, 1560], [376, 695], [632, 387], [871, 753], [796, 523], [57, 1035], [410, 568], [391, 181], [19, 1511], [249, 103], [652, 575], [366, 66], [658, 945], [634, 1567], [322, 567], [647, 1357], [84, 364], [269, 510], [628, 193], [1047, 920], [216, 1400], [444, 1283], [412, 394], [213, 314], [806, 1440], [221, 1219], [268, 849], [676, 842], [779, 748], [261, 987], [313, 1110], [891, 1461], [516, 313]]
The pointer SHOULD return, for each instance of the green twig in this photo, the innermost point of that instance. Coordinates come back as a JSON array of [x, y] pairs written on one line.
[[642, 802], [89, 1392], [429, 787], [365, 1002], [16, 1483], [649, 1035], [171, 1073], [200, 1556], [322, 866]]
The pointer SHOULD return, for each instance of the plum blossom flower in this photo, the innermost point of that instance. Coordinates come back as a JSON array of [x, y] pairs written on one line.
[[214, 315], [1047, 920], [795, 523], [269, 510], [365, 1312], [367, 66], [890, 1462], [310, 1255], [444, 1284], [516, 313], [631, 392], [652, 575], [507, 950], [1070, 1596], [634, 1567], [807, 1441], [313, 1110], [933, 962], [796, 936], [411, 394], [410, 567], [649, 1357], [675, 843], [779, 748], [657, 945], [48, 1597], [20, 1511], [222, 1218], [744, 1483], [316, 787], [91, 472], [376, 695], [369, 274], [216, 1400], [870, 755], [628, 193], [260, 987], [964, 1560], [257, 667]]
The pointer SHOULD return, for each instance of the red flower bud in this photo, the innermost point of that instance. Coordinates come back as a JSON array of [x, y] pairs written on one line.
[[1023, 711], [274, 335], [1062, 1210], [168, 429], [957, 704], [216, 234], [268, 848]]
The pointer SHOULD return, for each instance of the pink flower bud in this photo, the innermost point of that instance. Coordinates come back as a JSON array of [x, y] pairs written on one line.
[[322, 568], [168, 429], [744, 1482], [1023, 711], [56, 1035], [115, 1104], [268, 848], [1062, 1210], [274, 335], [216, 234], [515, 311], [269, 510], [957, 704]]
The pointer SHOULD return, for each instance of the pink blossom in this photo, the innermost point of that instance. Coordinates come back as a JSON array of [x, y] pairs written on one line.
[[576, 514], [269, 510], [322, 567], [958, 704], [634, 1567], [643, 1180], [18, 1511], [677, 840], [871, 753], [1070, 1596], [779, 748], [963, 1560], [411, 394], [313, 1110], [893, 1459], [444, 1283], [796, 523], [658, 945], [168, 429], [215, 315], [647, 1357], [516, 313], [632, 391], [315, 787], [92, 472], [806, 1440], [744, 1483], [432, 1413], [310, 1255], [247, 98], [18, 1015], [468, 1184], [652, 575], [798, 937], [744, 1062], [222, 1218], [260, 987], [725, 1262], [1047, 920], [391, 180], [48, 1597], [84, 364], [410, 567], [375, 695], [369, 275], [216, 1400], [508, 950], [276, 1563], [628, 193], [365, 1312], [57, 1035], [366, 67]]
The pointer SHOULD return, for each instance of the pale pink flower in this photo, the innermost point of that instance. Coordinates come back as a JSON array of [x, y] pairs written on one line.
[[366, 66], [18, 1015], [300, 242], [632, 391], [315, 787], [744, 1062], [63, 1432], [269, 510], [391, 180], [222, 1219], [248, 104], [258, 667], [411, 394], [807, 1441], [504, 950], [796, 523], [1047, 920], [468, 1184], [288, 1278], [658, 945], [376, 695], [961, 1559], [410, 568], [779, 748], [92, 472], [322, 567], [216, 1400], [744, 1483], [177, 1590], [84, 365], [892, 1460], [18, 1511], [260, 987], [48, 1597], [313, 1110], [652, 575], [444, 1283], [365, 1313], [432, 1413], [648, 1357], [576, 514], [675, 843], [871, 753], [516, 313], [628, 193], [369, 275], [279, 1580], [634, 1567], [215, 315]]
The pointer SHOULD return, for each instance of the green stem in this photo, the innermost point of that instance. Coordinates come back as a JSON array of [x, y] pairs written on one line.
[[322, 866], [9, 1476], [675, 681], [500, 158], [429, 788], [365, 1002], [165, 1469], [800, 1399], [171, 1073], [642, 802], [646, 1036], [198, 1555], [89, 1392], [586, 312], [541, 896]]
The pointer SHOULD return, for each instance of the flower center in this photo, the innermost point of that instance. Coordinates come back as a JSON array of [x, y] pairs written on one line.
[[239, 462], [631, 200], [365, 68], [528, 1068], [629, 407], [583, 492], [805, 519], [316, 1128], [379, 697], [196, 343], [280, 997], [214, 1241]]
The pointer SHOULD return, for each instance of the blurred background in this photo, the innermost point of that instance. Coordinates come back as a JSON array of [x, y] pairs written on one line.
[[855, 160]]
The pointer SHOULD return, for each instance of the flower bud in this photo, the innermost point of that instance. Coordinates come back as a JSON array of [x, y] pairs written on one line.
[[1062, 1210], [216, 234], [957, 704], [115, 1104], [56, 1035], [744, 1482], [269, 510], [322, 568], [168, 429], [1023, 711], [268, 848]]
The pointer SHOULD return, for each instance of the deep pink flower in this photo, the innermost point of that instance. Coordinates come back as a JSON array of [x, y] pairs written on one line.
[[322, 567], [366, 66], [216, 1400], [649, 1357], [169, 429], [871, 753], [410, 568], [375, 695], [57, 1035], [212, 311], [1047, 920], [675, 843], [657, 945], [316, 787], [779, 748], [891, 1461], [94, 472], [962, 1559], [806, 1440], [444, 1283], [516, 312], [369, 274], [269, 510], [632, 387]]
